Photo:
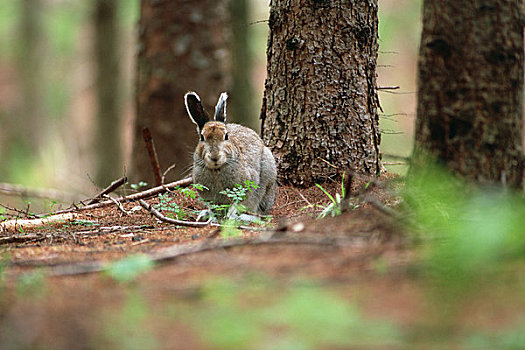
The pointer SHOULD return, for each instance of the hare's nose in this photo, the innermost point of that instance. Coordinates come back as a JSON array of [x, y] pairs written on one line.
[[214, 158]]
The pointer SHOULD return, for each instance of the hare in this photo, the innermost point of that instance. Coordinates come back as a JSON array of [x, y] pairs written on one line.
[[229, 154]]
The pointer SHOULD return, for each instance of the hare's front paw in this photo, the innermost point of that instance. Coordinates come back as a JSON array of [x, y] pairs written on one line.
[[207, 214], [233, 214]]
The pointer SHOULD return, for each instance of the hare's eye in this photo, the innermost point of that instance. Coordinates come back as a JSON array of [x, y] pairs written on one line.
[[226, 137], [202, 137]]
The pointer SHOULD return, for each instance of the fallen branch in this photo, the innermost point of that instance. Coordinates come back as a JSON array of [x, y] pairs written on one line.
[[21, 238], [112, 187], [113, 229], [118, 204], [170, 168], [132, 197], [19, 213], [15, 225], [164, 218], [374, 202], [177, 251], [161, 217], [364, 194]]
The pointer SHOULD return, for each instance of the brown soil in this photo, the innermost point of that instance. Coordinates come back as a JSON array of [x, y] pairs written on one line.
[[359, 255]]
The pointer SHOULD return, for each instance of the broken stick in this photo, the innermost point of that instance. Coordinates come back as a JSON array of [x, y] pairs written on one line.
[[133, 197], [154, 160], [112, 187], [164, 218], [15, 225]]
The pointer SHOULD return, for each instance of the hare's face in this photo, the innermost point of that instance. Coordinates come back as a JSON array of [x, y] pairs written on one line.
[[214, 146]]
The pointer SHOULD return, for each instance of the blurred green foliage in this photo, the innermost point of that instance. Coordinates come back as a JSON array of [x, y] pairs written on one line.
[[129, 268], [470, 236], [258, 314], [127, 328]]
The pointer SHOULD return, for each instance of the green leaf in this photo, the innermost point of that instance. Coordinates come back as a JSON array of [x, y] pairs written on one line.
[[326, 192]]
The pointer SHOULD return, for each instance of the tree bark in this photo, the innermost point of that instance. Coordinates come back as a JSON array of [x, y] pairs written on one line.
[[319, 113], [470, 89], [182, 47], [107, 138]]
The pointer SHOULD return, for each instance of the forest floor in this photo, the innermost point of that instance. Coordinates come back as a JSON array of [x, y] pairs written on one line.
[[125, 280]]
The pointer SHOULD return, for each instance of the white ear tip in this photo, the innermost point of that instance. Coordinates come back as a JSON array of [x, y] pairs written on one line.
[[224, 96], [192, 93]]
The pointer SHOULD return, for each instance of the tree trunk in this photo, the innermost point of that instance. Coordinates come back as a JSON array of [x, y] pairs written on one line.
[[107, 138], [182, 47], [319, 113], [470, 89], [29, 131], [240, 101]]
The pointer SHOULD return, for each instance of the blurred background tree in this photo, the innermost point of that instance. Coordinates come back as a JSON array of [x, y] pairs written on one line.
[[470, 89], [241, 100], [182, 47], [28, 135], [25, 127], [107, 138]]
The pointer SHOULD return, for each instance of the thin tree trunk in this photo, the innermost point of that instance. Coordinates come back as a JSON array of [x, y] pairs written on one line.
[[182, 47], [319, 113], [108, 132], [241, 104], [470, 88], [29, 130]]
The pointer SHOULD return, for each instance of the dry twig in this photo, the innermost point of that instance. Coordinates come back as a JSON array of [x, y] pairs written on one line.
[[112, 187], [161, 217], [154, 160], [132, 197], [118, 204], [19, 213], [180, 250]]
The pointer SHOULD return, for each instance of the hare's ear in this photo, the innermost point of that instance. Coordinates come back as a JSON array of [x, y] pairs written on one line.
[[195, 110], [220, 108]]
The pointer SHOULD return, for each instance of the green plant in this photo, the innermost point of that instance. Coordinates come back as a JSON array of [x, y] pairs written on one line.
[[219, 211], [191, 192], [470, 235], [51, 205], [334, 208], [129, 268], [175, 210], [79, 222], [239, 192], [138, 186], [230, 229], [167, 203], [235, 195]]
